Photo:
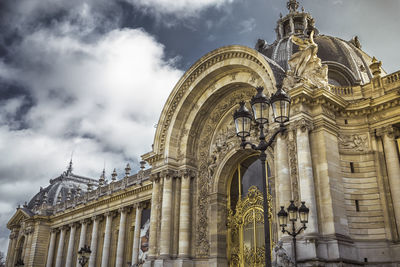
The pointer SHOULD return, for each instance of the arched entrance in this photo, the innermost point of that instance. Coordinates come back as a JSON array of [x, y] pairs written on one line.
[[245, 233]]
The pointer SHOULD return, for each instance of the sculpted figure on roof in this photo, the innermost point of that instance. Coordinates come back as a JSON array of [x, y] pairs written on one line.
[[305, 65]]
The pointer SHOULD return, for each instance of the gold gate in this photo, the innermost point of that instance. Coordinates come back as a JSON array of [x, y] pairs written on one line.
[[246, 231]]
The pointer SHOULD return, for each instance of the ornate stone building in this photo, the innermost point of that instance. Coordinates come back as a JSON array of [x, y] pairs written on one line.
[[199, 203]]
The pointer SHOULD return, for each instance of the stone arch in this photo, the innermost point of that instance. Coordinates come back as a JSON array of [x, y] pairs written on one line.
[[198, 109], [186, 99]]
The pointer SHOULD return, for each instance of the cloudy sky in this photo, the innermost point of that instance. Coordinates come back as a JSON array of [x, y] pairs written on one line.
[[91, 76]]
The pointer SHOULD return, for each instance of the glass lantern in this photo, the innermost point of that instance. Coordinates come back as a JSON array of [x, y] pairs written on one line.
[[303, 213], [292, 209], [260, 106], [280, 102], [283, 217], [242, 118]]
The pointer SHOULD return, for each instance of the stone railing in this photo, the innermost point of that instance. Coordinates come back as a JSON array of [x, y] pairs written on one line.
[[391, 78], [342, 91]]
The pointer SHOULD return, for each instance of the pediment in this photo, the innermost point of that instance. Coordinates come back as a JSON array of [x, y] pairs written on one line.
[[19, 216]]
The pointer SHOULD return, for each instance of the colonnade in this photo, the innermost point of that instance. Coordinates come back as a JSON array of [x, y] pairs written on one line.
[[94, 243], [172, 200]]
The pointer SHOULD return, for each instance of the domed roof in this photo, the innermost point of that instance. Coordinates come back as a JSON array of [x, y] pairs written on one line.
[[64, 186], [347, 64]]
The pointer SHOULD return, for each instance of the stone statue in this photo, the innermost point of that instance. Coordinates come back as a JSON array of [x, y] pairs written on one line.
[[305, 66], [281, 257]]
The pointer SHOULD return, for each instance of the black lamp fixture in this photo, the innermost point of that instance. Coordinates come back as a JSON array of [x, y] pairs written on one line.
[[260, 105], [293, 213], [84, 254]]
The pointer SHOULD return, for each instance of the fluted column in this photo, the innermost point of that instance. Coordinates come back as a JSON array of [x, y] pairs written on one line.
[[185, 215], [61, 247], [82, 237], [283, 183], [136, 234], [52, 244], [107, 239], [165, 238], [393, 169], [154, 217], [306, 177], [93, 243], [121, 238], [71, 243]]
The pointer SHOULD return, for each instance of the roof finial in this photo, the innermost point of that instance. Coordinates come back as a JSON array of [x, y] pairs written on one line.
[[114, 175], [292, 5], [127, 170], [69, 170], [102, 178]]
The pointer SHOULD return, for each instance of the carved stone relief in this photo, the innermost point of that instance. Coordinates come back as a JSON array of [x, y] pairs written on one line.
[[292, 148], [208, 163], [356, 142]]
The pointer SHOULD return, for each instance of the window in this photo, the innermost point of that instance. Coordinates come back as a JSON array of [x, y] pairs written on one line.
[[352, 167], [357, 205]]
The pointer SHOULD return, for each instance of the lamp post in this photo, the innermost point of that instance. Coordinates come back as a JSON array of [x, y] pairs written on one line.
[[292, 213], [84, 254], [260, 104]]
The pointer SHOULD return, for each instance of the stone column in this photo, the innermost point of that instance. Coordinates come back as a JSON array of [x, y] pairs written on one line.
[[71, 243], [283, 183], [121, 238], [52, 244], [165, 237], [82, 237], [61, 247], [11, 248], [107, 239], [28, 245], [154, 217], [136, 234], [93, 243], [393, 169], [185, 215], [306, 177], [176, 216]]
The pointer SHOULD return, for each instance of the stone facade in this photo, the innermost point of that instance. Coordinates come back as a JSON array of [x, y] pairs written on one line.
[[340, 154]]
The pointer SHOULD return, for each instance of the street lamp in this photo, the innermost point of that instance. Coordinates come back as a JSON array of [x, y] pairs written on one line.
[[84, 254], [292, 213], [260, 104]]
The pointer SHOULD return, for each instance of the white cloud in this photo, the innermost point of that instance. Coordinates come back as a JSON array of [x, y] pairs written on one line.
[[99, 98], [179, 8]]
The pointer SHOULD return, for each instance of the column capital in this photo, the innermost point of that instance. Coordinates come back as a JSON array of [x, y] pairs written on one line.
[[97, 217], [111, 213], [74, 224], [155, 177], [125, 209], [85, 221], [168, 174], [54, 230], [139, 205], [187, 173], [302, 124], [388, 130]]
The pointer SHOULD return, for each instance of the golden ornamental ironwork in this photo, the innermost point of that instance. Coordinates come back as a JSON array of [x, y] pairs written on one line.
[[246, 230]]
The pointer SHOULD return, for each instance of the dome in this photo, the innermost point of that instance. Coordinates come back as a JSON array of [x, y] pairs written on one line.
[[347, 64], [64, 186]]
